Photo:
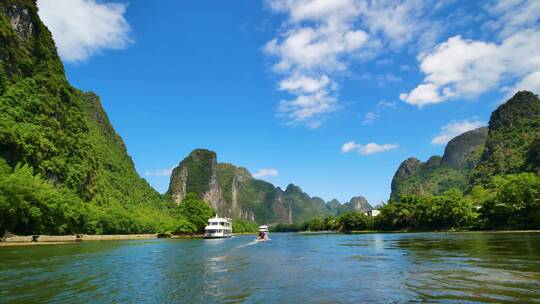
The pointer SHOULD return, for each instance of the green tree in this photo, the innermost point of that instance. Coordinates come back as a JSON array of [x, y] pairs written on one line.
[[240, 226], [515, 203], [354, 221], [195, 211]]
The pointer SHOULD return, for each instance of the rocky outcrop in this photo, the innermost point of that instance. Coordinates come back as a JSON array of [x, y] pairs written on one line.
[[513, 128], [20, 20], [439, 174], [282, 212], [509, 145], [408, 168], [198, 173], [360, 203], [178, 189], [458, 151], [233, 192], [213, 194], [356, 204]]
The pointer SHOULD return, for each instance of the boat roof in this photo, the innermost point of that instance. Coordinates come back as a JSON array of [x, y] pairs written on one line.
[[217, 218]]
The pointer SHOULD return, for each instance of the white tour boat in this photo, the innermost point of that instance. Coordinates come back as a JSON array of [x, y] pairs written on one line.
[[218, 227], [263, 233]]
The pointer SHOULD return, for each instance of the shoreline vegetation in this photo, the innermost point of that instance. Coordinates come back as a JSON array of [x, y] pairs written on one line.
[[509, 202]]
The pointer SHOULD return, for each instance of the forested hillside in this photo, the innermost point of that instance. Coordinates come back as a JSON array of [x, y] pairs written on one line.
[[63, 167], [487, 178]]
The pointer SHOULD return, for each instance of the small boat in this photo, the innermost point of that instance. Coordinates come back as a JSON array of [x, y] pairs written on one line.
[[263, 234], [218, 227]]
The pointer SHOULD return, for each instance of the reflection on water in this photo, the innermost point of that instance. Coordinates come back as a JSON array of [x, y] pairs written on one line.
[[426, 267]]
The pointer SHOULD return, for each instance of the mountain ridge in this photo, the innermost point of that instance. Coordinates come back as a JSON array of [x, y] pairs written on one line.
[[509, 144], [234, 192]]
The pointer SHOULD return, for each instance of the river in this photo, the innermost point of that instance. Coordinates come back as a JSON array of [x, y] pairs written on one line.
[[291, 268]]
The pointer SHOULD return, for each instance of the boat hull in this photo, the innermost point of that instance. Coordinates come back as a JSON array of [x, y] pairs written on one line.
[[217, 236]]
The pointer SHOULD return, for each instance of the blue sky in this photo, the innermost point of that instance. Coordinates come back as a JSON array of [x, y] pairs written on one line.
[[331, 95]]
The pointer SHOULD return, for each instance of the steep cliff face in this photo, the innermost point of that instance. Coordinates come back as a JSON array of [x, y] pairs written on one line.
[[458, 151], [410, 167], [198, 173], [439, 174], [357, 203], [233, 192], [508, 145]]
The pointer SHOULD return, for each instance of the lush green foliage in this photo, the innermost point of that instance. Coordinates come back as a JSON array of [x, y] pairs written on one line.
[[513, 128], [510, 145], [196, 211], [199, 167], [240, 226], [354, 221], [32, 205], [451, 210], [508, 202], [348, 221], [72, 172], [434, 180], [286, 228], [513, 202]]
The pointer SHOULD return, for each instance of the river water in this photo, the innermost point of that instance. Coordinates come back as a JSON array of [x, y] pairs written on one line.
[[291, 268]]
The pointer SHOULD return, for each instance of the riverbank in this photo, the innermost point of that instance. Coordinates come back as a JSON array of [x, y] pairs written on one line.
[[30, 240]]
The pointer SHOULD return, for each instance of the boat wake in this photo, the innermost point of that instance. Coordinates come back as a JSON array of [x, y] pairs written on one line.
[[248, 244]]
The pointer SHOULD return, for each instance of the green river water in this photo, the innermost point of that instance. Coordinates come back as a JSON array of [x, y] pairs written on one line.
[[291, 268]]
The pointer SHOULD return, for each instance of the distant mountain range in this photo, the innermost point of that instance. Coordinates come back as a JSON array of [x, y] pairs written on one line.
[[233, 191]]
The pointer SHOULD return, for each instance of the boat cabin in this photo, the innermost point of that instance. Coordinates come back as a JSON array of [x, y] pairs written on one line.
[[218, 227]]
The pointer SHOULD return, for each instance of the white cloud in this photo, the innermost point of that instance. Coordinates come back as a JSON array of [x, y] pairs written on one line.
[[386, 104], [464, 68], [370, 117], [317, 41], [455, 128], [349, 146], [460, 68], [367, 149], [513, 16], [308, 109], [83, 28], [160, 172], [320, 39], [530, 82], [265, 172], [397, 21], [302, 84]]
